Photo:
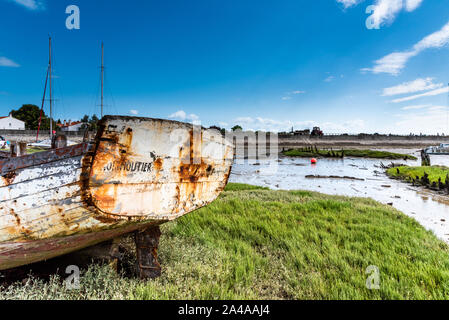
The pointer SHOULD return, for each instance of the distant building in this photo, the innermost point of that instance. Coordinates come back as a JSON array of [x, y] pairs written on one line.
[[10, 123], [70, 126]]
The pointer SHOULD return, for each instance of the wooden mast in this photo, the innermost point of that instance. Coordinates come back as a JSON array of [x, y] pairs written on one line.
[[51, 101], [102, 77]]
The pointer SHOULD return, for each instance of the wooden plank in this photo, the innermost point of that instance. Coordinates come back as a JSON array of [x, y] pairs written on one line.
[[12, 164]]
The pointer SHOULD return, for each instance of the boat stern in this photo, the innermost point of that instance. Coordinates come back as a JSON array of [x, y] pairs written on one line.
[[152, 169]]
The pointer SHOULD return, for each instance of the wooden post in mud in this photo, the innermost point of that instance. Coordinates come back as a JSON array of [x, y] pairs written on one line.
[[447, 183], [22, 148], [18, 149], [425, 159], [13, 149], [59, 141], [147, 242]]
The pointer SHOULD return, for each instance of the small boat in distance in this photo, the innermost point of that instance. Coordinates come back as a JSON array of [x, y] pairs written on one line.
[[442, 149]]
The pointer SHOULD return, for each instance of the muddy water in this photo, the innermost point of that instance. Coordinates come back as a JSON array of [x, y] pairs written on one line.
[[429, 209]]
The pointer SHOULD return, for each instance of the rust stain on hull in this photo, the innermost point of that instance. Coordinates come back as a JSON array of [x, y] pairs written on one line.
[[8, 178], [137, 172]]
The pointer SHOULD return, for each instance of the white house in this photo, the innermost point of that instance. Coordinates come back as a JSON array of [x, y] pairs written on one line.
[[70, 126], [10, 123]]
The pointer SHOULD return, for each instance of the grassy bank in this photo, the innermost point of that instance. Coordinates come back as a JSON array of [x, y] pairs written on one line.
[[34, 150], [434, 173], [29, 150], [253, 243], [348, 153]]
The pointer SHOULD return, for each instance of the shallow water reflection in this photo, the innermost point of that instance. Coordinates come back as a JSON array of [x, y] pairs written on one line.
[[429, 209]]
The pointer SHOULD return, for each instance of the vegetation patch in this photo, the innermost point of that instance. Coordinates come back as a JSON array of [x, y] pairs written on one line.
[[314, 152], [434, 177], [35, 150], [265, 244]]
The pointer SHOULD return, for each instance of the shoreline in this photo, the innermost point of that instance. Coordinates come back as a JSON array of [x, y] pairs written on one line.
[[346, 153]]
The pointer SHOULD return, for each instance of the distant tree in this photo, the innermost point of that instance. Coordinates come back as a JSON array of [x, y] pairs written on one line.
[[85, 121], [30, 113], [93, 122], [237, 127], [45, 124], [222, 130]]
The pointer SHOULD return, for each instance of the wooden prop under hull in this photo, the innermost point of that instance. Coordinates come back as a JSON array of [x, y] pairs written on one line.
[[138, 172]]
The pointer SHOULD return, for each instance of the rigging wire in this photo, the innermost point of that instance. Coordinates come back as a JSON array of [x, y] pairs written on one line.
[[113, 107], [42, 106]]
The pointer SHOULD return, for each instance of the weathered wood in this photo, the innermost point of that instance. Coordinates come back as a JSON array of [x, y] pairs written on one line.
[[138, 172], [59, 141], [39, 158], [425, 159], [147, 242]]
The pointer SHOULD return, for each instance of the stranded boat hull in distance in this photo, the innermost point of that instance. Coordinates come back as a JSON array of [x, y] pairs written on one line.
[[136, 173]]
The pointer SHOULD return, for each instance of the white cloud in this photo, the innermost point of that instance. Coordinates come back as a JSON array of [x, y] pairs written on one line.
[[178, 115], [266, 124], [412, 86], [436, 108], [385, 11], [350, 126], [289, 95], [426, 94], [437, 39], [5, 62], [329, 79], [416, 107], [411, 5], [30, 4], [134, 112], [349, 3], [393, 63], [430, 121], [244, 120], [181, 115]]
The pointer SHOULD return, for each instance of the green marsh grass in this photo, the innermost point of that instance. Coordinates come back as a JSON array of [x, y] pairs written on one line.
[[411, 173], [253, 243], [375, 154]]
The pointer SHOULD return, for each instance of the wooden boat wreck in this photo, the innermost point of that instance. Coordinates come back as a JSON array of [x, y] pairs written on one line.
[[136, 174]]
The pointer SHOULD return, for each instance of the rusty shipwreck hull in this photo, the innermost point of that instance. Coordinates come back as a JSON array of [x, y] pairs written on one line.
[[137, 172]]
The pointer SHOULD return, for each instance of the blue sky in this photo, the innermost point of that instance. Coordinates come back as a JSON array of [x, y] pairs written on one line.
[[263, 64]]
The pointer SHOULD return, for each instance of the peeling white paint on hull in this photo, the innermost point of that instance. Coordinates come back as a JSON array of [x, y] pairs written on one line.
[[137, 172]]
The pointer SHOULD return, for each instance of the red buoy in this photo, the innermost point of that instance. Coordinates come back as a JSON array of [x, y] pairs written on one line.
[[313, 161]]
